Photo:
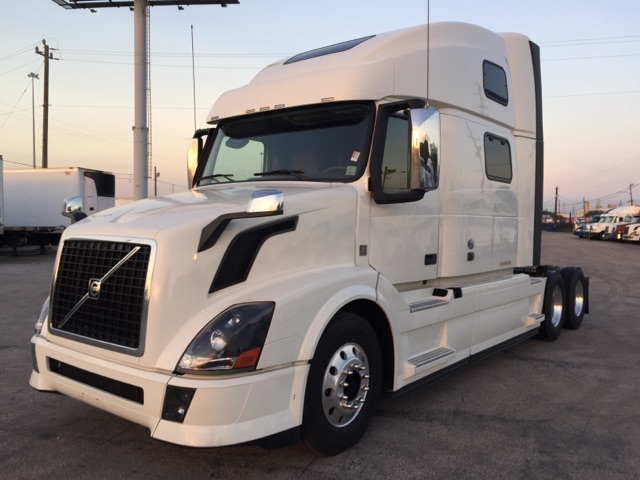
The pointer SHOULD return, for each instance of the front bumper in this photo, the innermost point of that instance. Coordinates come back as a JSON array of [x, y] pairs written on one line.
[[223, 410]]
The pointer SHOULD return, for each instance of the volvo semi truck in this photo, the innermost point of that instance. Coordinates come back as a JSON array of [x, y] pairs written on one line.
[[362, 218]]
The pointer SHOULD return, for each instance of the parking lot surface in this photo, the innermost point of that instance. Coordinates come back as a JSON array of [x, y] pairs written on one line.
[[567, 409]]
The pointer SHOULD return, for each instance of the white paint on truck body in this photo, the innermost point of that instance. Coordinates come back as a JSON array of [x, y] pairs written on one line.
[[435, 275]]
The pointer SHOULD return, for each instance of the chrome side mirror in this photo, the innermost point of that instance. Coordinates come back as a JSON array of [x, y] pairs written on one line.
[[72, 208], [425, 143]]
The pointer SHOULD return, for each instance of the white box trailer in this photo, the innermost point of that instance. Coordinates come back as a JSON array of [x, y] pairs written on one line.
[[361, 221], [1, 196], [34, 200]]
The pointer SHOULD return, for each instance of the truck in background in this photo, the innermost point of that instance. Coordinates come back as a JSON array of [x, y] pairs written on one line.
[[631, 231], [361, 220], [618, 230], [38, 202], [605, 228]]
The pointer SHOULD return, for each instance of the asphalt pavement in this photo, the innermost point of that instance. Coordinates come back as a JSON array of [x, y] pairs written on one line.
[[561, 410]]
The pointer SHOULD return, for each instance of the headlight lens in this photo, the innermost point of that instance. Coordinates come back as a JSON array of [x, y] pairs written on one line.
[[44, 312], [232, 341]]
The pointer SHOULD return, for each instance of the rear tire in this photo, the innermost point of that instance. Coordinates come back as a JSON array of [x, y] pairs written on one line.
[[576, 289], [553, 307], [343, 386]]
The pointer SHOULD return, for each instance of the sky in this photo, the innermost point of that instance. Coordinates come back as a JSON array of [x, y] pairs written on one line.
[[590, 52]]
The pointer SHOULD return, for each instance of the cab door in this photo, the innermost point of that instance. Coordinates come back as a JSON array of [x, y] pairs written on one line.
[[403, 235]]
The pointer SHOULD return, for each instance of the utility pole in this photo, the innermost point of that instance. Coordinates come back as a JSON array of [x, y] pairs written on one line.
[[33, 115], [555, 210], [45, 111], [631, 193]]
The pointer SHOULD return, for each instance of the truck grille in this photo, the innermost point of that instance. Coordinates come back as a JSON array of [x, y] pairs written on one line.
[[99, 293]]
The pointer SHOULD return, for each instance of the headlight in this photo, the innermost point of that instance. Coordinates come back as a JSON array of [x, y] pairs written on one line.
[[232, 341], [44, 311]]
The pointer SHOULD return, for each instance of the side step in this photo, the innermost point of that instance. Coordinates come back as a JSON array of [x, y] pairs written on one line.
[[534, 318], [426, 360]]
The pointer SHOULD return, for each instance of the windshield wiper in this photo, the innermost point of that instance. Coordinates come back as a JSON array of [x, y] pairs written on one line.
[[218, 175], [284, 171]]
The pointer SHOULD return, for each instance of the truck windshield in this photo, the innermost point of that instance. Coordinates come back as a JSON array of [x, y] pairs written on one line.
[[320, 143]]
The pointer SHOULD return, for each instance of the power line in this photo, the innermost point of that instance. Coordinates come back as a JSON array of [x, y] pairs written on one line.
[[591, 94], [177, 54], [14, 107], [591, 57], [168, 65], [17, 163], [590, 41], [26, 49], [18, 68]]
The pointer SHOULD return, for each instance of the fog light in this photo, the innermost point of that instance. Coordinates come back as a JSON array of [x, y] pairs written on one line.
[[176, 403], [34, 359]]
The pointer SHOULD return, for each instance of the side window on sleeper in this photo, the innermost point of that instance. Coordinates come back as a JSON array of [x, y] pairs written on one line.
[[497, 157], [495, 82]]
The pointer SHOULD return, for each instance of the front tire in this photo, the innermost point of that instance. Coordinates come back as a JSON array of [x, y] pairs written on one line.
[[553, 307], [343, 386]]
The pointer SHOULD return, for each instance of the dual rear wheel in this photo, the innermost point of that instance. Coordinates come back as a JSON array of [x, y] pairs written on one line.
[[565, 301]]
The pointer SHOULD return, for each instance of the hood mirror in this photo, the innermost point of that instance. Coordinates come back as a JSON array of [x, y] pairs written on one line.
[[266, 201]]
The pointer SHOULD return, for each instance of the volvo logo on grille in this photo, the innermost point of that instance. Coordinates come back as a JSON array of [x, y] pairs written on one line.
[[94, 288]]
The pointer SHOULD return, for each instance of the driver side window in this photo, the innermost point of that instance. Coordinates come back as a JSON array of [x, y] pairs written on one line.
[[396, 157]]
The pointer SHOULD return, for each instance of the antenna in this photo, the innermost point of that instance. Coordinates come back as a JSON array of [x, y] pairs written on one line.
[[428, 49], [147, 12], [193, 74]]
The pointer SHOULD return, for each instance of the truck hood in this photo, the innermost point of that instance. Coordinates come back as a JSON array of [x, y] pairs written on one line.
[[187, 210], [183, 293]]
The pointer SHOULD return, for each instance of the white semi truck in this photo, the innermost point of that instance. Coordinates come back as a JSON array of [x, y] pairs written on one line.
[[605, 228], [363, 218], [38, 203], [631, 232]]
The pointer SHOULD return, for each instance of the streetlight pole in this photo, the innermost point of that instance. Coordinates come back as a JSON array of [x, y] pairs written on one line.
[[140, 129], [156, 174], [33, 115]]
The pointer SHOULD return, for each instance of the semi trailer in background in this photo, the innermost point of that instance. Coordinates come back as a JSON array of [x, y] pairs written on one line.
[[35, 201]]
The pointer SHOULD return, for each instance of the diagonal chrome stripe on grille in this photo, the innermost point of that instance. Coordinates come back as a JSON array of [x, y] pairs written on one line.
[[103, 279]]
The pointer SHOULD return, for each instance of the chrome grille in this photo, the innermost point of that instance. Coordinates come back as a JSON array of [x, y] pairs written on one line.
[[99, 293]]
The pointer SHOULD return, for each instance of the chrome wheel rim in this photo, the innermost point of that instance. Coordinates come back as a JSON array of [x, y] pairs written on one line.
[[579, 299], [557, 305], [345, 385]]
